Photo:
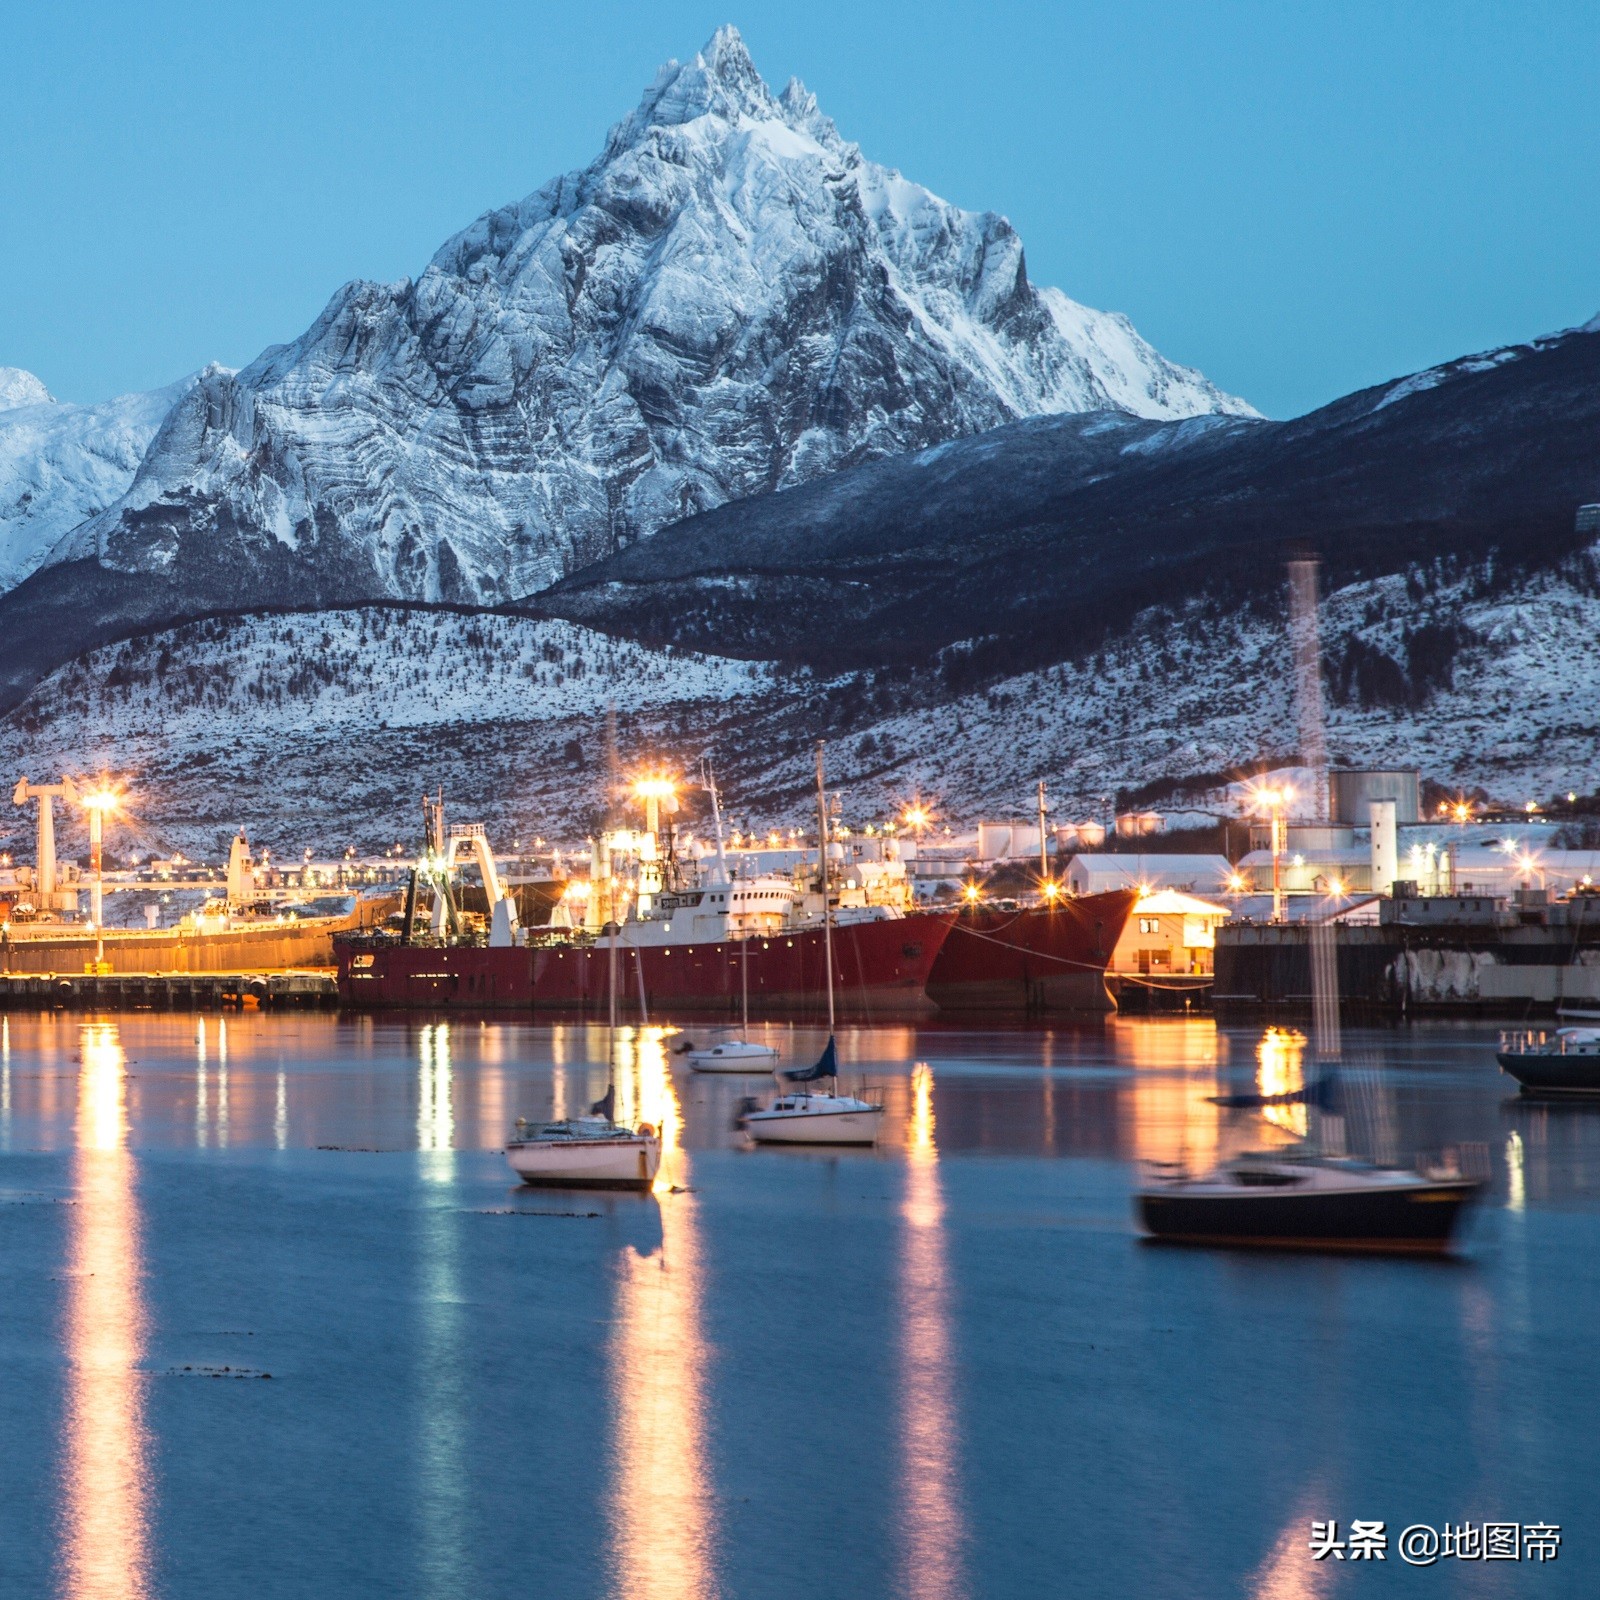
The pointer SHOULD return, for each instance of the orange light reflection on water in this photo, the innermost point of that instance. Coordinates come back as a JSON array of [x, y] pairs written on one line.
[[106, 1491], [1280, 1069], [646, 1094], [932, 1530], [662, 1510], [1176, 1061]]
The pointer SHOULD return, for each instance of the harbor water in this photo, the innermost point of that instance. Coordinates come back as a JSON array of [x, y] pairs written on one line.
[[946, 1367]]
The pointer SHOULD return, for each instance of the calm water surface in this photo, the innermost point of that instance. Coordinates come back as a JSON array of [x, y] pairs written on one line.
[[944, 1368]]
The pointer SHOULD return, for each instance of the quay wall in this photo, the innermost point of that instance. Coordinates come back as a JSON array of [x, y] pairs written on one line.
[[1402, 970], [272, 947]]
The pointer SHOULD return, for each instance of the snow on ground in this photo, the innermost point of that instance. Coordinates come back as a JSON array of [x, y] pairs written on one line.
[[323, 729], [1194, 696]]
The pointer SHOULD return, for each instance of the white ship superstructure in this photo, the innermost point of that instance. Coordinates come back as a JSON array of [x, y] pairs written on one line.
[[661, 889]]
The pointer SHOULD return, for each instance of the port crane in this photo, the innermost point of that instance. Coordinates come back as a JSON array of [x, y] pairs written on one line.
[[45, 855]]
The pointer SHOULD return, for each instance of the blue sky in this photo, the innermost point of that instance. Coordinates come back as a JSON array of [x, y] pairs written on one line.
[[1298, 199]]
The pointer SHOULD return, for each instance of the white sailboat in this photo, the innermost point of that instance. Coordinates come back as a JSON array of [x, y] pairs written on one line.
[[592, 1152], [817, 1116], [741, 1054]]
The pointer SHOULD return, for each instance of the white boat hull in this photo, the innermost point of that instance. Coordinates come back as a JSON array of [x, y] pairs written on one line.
[[746, 1058], [627, 1163], [814, 1127]]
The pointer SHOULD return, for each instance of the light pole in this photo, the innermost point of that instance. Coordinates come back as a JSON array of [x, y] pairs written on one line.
[[97, 803], [1275, 800]]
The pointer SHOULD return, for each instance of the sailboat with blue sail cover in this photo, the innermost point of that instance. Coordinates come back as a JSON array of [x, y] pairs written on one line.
[[816, 1115]]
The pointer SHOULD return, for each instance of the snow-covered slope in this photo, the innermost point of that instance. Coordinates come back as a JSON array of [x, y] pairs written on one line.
[[729, 299], [61, 464], [335, 721], [19, 388], [323, 728]]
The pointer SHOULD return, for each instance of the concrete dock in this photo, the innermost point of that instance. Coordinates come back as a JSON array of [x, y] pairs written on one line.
[[166, 991]]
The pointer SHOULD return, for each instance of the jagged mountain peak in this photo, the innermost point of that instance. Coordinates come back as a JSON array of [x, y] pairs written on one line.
[[63, 463], [20, 388], [730, 299], [721, 80]]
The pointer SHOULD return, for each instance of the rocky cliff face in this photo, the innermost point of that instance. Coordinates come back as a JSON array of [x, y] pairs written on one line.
[[1030, 543], [730, 299], [62, 464]]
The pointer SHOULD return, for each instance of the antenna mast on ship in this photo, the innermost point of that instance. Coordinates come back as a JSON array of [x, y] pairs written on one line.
[[710, 781], [822, 861], [1044, 854]]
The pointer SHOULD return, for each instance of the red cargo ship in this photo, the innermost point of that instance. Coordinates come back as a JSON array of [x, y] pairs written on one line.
[[1050, 957], [880, 966]]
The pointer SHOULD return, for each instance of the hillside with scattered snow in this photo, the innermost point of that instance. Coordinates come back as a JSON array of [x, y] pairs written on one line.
[[322, 729]]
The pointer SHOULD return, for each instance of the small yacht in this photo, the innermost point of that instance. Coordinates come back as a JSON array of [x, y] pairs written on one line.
[[817, 1116], [740, 1054], [1563, 1061], [731, 1055], [592, 1152], [1302, 1199], [585, 1153], [811, 1116]]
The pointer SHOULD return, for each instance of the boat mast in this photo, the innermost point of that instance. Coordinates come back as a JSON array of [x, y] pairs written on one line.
[[1044, 854], [716, 817], [613, 783], [822, 862]]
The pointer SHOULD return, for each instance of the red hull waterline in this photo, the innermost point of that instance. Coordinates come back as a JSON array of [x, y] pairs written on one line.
[[1046, 958], [878, 967]]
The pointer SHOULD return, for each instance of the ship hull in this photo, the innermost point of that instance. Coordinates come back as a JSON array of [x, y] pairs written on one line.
[[1554, 1074], [1404, 1219], [586, 1163], [1046, 958], [878, 967], [836, 1127]]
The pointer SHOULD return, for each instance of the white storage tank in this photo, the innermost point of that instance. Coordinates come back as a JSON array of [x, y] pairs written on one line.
[[1351, 791]]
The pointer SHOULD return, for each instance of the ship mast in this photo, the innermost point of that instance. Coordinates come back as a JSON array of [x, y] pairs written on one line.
[[1044, 854], [822, 862], [716, 817]]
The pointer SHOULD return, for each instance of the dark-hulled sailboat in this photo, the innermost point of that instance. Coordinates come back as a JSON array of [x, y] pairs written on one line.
[[1306, 1197]]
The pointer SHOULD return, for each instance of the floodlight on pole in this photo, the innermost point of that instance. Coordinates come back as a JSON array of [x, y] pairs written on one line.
[[99, 803]]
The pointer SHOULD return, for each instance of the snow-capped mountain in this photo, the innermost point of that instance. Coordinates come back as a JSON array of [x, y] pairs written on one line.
[[1026, 544], [19, 388], [731, 298], [61, 464]]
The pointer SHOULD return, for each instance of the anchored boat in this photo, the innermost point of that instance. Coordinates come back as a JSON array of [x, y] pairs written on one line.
[[585, 1153], [1305, 1200], [741, 1054], [731, 1055], [1561, 1061], [817, 1116], [1308, 1197]]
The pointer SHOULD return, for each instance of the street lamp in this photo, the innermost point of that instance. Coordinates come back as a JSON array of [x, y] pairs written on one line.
[[1275, 800], [98, 802], [654, 792]]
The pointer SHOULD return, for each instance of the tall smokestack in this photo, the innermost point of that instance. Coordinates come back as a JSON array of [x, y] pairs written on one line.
[[1306, 638]]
